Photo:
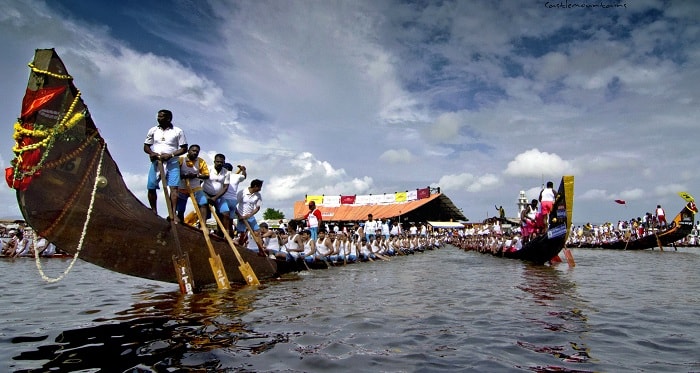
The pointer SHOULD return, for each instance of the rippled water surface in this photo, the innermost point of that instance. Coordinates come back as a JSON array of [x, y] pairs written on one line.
[[444, 310]]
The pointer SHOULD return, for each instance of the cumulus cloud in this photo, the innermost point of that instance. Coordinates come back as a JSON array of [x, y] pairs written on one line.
[[305, 174], [307, 95], [466, 181], [669, 189], [396, 156], [534, 163], [603, 195], [445, 128]]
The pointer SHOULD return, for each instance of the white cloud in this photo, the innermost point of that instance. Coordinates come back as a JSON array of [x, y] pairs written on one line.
[[533, 163], [310, 96], [468, 182], [396, 156]]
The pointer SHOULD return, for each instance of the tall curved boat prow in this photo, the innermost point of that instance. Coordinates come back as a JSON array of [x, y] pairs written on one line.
[[546, 246], [58, 153]]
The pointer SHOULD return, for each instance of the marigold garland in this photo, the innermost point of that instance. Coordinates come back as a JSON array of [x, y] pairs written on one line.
[[47, 137]]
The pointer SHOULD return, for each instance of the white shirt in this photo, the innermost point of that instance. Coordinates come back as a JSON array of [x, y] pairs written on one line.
[[198, 166], [247, 202], [234, 180], [216, 181], [165, 140], [548, 195], [371, 227]]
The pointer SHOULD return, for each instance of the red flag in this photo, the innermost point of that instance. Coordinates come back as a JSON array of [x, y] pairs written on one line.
[[423, 193], [620, 201]]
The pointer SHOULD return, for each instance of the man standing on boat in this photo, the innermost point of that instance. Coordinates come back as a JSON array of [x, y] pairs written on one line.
[[216, 186], [194, 169], [249, 203], [661, 216], [314, 219], [546, 201], [164, 143], [231, 195]]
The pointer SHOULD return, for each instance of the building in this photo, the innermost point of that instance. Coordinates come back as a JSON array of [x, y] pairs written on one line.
[[436, 207]]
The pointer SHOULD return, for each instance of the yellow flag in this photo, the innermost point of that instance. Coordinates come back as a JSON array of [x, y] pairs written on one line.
[[317, 199], [687, 197]]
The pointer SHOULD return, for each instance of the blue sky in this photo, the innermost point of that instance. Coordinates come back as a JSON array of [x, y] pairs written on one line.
[[481, 98]]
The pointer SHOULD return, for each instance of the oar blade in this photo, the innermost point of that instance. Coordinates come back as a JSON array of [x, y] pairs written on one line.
[[569, 258], [217, 268], [248, 274], [184, 273]]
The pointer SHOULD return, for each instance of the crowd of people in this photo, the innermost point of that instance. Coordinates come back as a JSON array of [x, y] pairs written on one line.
[[491, 237], [365, 241], [22, 243], [592, 235]]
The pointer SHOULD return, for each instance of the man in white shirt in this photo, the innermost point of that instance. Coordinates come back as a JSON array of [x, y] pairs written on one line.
[[216, 186], [249, 203], [230, 196], [164, 143], [370, 228]]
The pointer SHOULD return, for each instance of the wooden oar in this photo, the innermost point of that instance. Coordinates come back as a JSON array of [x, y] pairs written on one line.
[[217, 267], [658, 241], [244, 267], [258, 242], [382, 256], [569, 257], [181, 261]]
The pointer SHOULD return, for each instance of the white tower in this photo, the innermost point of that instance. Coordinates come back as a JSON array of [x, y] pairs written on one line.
[[522, 202]]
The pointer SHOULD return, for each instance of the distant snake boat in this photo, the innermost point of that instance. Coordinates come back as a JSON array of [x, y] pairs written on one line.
[[542, 248], [70, 190], [680, 227]]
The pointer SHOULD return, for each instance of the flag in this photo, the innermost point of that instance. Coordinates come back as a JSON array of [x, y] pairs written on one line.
[[620, 201], [687, 197], [317, 199], [423, 193]]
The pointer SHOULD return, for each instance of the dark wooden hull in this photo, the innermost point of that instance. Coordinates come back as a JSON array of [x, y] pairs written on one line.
[[544, 247], [680, 227], [540, 250], [123, 235]]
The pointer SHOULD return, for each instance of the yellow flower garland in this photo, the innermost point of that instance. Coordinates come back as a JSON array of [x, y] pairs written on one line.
[[47, 136]]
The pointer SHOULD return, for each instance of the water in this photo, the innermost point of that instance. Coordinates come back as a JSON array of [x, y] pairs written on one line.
[[444, 310]]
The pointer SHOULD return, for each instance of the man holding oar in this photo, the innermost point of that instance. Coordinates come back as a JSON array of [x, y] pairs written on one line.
[[215, 187], [249, 203], [194, 169], [165, 143]]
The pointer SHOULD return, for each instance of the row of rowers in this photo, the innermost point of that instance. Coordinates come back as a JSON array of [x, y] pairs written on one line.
[[188, 177], [294, 244], [218, 187]]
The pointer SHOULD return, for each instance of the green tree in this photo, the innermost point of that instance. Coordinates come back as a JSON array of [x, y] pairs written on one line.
[[272, 214]]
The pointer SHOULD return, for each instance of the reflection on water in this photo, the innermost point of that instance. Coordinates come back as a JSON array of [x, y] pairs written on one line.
[[161, 331], [556, 309], [444, 310]]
